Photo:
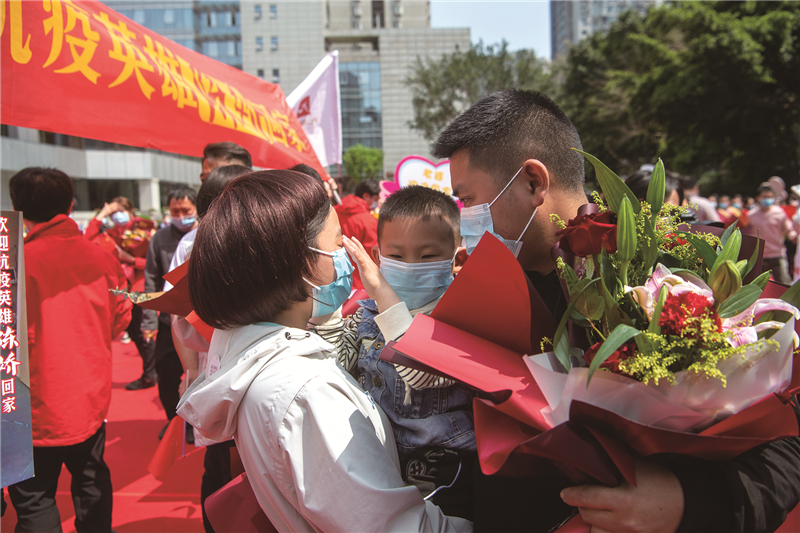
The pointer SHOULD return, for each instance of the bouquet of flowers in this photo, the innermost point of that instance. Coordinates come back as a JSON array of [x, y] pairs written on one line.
[[665, 310], [136, 239]]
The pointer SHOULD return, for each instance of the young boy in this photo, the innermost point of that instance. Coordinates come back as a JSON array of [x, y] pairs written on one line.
[[418, 236]]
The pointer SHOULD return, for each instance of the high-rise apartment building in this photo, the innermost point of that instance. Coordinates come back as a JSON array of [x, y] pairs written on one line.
[[571, 22], [378, 41]]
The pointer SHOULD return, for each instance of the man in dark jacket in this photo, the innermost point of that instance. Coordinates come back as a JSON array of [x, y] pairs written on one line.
[[72, 319], [524, 136], [182, 209], [356, 218]]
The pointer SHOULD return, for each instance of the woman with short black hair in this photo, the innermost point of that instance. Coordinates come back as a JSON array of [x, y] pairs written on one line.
[[319, 453]]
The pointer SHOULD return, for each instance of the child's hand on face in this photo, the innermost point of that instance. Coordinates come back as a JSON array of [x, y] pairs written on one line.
[[371, 277]]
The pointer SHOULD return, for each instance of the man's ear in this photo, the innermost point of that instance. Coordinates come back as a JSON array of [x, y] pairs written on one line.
[[537, 181], [376, 255]]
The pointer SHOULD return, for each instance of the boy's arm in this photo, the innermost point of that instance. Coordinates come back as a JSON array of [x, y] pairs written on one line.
[[419, 380]]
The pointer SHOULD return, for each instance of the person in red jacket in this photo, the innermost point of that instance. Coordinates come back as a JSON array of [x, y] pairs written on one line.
[[357, 220], [72, 319], [117, 230]]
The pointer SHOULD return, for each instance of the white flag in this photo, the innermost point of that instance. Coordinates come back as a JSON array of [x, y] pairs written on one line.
[[317, 105]]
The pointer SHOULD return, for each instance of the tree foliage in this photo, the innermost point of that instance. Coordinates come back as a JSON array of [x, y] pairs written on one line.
[[362, 162], [442, 88], [710, 87]]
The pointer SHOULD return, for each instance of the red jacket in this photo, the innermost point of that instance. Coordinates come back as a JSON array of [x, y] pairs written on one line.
[[72, 319], [356, 221]]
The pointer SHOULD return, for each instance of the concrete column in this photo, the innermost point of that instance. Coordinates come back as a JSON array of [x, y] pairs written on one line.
[[150, 195]]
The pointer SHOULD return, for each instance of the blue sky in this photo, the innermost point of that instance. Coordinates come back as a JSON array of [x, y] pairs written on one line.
[[524, 24]]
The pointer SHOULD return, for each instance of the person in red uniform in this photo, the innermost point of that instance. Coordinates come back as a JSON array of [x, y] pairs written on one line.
[[128, 239], [356, 219], [72, 319]]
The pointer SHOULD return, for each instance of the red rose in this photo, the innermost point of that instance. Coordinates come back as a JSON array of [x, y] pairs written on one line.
[[612, 363], [587, 234]]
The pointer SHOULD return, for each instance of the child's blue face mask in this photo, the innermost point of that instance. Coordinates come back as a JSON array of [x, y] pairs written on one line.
[[477, 220], [120, 218], [330, 297], [417, 283]]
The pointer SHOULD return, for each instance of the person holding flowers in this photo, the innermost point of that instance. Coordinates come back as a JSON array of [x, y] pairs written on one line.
[[514, 168]]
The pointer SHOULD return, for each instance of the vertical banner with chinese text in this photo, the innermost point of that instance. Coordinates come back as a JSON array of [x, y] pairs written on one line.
[[16, 443], [80, 68]]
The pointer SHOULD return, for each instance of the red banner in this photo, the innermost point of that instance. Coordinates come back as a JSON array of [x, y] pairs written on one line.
[[81, 68]]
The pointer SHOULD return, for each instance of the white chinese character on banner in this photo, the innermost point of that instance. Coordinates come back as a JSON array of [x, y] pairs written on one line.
[[5, 280], [9, 366], [3, 228], [9, 404], [8, 339], [5, 297], [7, 386], [3, 243], [4, 262], [6, 315]]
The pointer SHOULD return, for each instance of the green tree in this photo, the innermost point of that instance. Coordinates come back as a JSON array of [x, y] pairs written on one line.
[[362, 162], [442, 88], [711, 87]]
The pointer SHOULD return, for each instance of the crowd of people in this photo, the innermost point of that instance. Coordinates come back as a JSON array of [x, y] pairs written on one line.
[[334, 438]]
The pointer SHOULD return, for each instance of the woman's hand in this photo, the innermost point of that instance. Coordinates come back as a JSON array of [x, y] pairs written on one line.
[[371, 277], [109, 209]]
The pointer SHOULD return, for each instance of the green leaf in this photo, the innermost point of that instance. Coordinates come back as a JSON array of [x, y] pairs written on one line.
[[650, 253], [656, 191], [727, 233], [751, 263], [590, 303], [761, 281], [571, 279], [792, 296], [607, 272], [654, 327], [560, 341], [705, 250], [729, 252], [740, 301], [626, 231], [614, 189], [618, 337]]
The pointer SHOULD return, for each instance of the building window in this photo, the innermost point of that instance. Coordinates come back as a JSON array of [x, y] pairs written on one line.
[[211, 19], [273, 11], [276, 75], [397, 23], [259, 44], [377, 14], [231, 48], [258, 11], [213, 49], [233, 18], [273, 42], [227, 18], [260, 73], [169, 16], [138, 16]]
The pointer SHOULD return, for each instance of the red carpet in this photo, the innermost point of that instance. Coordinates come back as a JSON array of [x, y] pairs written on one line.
[[141, 502]]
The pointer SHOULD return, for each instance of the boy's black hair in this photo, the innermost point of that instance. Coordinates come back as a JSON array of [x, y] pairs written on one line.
[[215, 183], [368, 186], [307, 170], [229, 152], [41, 193], [506, 128], [179, 193], [420, 202], [765, 188]]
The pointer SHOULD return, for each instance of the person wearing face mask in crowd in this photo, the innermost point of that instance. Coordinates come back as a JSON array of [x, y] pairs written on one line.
[[319, 452], [108, 229], [770, 223], [727, 211], [431, 417], [183, 211], [357, 221]]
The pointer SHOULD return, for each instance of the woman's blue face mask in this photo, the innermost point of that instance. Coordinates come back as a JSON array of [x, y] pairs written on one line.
[[330, 297]]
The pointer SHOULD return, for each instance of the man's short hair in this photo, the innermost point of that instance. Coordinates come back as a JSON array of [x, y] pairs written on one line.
[[41, 193], [229, 152], [418, 202], [179, 193], [252, 252], [765, 188], [368, 186], [307, 170], [215, 183], [505, 129], [688, 182]]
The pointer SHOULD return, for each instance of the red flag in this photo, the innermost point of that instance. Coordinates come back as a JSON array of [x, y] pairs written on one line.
[[82, 69]]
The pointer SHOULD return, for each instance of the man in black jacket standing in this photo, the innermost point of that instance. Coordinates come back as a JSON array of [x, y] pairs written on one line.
[[525, 135]]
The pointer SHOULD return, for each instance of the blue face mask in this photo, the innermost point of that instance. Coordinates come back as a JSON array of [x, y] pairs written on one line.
[[723, 205], [184, 224], [767, 202], [417, 283], [330, 297], [737, 205], [477, 220], [121, 218]]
